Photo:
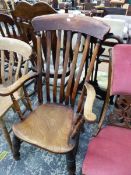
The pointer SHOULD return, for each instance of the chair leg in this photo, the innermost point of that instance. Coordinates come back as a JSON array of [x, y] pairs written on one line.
[[71, 162], [71, 158], [16, 147], [6, 133]]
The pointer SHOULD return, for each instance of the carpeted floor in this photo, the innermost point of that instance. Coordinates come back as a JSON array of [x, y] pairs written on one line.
[[35, 161]]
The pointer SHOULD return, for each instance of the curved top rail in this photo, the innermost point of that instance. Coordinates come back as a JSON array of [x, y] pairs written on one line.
[[83, 24], [16, 45], [29, 11]]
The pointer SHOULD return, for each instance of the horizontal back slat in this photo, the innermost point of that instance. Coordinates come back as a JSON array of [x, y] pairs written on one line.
[[87, 25], [27, 11], [22, 49]]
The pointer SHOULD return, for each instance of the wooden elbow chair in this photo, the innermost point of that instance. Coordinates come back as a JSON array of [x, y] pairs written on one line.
[[9, 28], [109, 152], [14, 58], [55, 124], [24, 12]]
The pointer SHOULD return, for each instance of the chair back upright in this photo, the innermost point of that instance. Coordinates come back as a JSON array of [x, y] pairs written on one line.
[[67, 91]]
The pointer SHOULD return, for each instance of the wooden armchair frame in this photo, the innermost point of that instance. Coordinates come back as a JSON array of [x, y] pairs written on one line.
[[56, 123], [14, 58]]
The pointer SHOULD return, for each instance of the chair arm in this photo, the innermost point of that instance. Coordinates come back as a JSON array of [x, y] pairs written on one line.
[[91, 94], [5, 91], [112, 36]]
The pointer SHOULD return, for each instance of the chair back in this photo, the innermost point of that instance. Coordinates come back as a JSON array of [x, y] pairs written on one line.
[[14, 57], [24, 12], [71, 63], [121, 68], [8, 28]]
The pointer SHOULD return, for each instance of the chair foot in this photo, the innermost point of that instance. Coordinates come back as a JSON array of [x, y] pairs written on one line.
[[71, 162], [16, 147]]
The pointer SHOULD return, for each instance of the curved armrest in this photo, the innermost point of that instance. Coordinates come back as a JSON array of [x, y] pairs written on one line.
[[5, 91], [91, 94]]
